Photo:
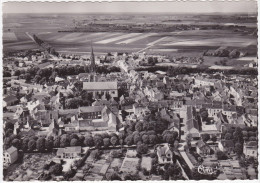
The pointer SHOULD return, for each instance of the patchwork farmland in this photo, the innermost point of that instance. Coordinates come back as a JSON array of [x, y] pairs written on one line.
[[192, 41]]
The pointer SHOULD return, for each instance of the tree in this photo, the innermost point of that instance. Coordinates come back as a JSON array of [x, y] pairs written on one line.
[[214, 138], [31, 145], [169, 138], [204, 114], [25, 144], [113, 176], [221, 155], [64, 141], [96, 154], [9, 125], [238, 148], [74, 136], [137, 138], [40, 144], [27, 77], [195, 174], [129, 140], [205, 137], [73, 103], [121, 135], [74, 142], [238, 135], [174, 172], [56, 142], [114, 140], [106, 142], [79, 163], [56, 169], [89, 141], [7, 74], [116, 154], [7, 142], [132, 177], [104, 135], [81, 140], [228, 136], [142, 149], [146, 126], [16, 143], [139, 126], [145, 139], [98, 141], [49, 144], [69, 174]]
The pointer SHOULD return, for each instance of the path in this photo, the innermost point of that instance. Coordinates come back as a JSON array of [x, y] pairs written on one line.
[[154, 43]]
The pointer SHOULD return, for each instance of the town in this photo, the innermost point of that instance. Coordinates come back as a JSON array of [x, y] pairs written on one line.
[[96, 118], [108, 95]]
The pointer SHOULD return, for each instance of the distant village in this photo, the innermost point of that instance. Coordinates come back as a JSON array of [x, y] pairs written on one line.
[[73, 117]]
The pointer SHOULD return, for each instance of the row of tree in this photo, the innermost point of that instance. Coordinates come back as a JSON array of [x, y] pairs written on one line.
[[174, 71], [41, 144]]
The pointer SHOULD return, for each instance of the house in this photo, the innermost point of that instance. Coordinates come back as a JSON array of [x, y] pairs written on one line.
[[250, 149], [69, 152], [226, 146], [140, 109], [10, 156], [164, 154], [202, 148], [101, 88], [9, 100], [200, 81]]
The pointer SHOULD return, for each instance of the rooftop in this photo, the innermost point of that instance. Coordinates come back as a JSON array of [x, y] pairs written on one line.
[[100, 86]]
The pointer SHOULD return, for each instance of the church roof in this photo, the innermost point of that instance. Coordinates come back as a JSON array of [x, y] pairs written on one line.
[[100, 86]]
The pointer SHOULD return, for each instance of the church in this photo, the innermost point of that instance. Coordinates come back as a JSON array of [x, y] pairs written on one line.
[[99, 88]]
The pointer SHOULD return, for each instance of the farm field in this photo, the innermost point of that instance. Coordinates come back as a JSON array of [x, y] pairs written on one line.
[[188, 43], [184, 41]]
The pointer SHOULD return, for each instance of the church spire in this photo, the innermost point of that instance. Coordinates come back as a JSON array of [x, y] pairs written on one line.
[[92, 61]]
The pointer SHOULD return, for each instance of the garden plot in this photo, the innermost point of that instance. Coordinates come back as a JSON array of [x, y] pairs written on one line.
[[31, 167], [146, 163], [129, 165], [136, 38], [117, 38], [116, 163]]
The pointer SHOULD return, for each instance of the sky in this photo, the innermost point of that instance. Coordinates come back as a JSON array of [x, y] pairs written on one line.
[[243, 6]]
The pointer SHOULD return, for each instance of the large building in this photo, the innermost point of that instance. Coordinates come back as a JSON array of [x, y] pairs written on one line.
[[101, 88], [92, 118]]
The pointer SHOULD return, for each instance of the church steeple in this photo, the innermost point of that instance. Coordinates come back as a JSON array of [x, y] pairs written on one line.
[[92, 61]]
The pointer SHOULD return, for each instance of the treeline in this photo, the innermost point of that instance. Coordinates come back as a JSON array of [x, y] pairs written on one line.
[[46, 75], [45, 46], [173, 71]]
